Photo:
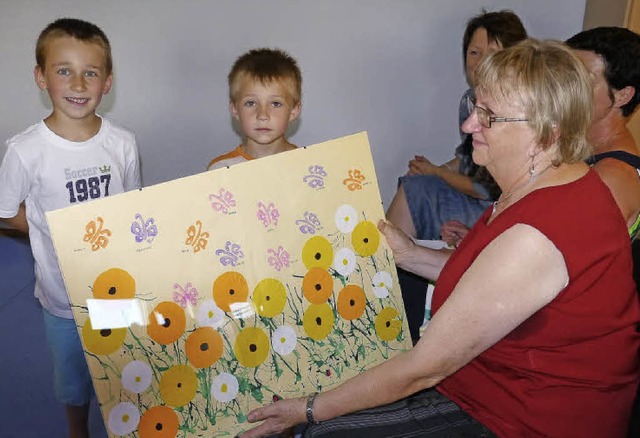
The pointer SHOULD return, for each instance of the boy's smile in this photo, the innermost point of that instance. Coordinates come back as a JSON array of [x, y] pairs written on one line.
[[264, 112], [75, 78]]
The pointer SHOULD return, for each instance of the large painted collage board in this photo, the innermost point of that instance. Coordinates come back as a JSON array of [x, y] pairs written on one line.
[[202, 298]]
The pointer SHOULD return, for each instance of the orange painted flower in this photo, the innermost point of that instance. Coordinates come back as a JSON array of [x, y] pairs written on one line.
[[230, 287], [114, 283], [351, 302], [104, 341], [365, 238], [251, 347], [318, 321], [204, 347], [167, 322], [317, 285], [317, 252], [387, 324], [269, 297], [178, 385], [159, 422]]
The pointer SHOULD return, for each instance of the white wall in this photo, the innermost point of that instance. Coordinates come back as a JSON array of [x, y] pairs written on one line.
[[392, 68]]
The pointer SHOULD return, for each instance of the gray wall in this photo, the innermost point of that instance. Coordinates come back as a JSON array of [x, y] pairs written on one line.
[[392, 68]]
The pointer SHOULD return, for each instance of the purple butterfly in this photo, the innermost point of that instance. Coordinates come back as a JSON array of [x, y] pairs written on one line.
[[144, 230], [310, 224], [230, 254], [278, 258], [315, 178]]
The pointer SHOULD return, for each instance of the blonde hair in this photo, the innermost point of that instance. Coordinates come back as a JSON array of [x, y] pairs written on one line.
[[551, 85], [266, 66]]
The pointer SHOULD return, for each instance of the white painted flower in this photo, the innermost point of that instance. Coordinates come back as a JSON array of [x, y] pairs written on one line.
[[209, 315], [224, 387], [346, 218], [344, 261], [284, 340], [124, 418], [136, 376], [382, 284]]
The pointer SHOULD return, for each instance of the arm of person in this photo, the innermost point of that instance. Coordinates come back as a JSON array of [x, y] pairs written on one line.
[[19, 221], [453, 232], [448, 172], [501, 289], [623, 183]]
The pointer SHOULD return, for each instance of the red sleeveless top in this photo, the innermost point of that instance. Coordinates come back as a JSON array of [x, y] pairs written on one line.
[[572, 368]]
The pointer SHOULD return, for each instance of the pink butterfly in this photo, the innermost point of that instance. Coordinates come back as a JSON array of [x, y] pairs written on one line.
[[185, 296]]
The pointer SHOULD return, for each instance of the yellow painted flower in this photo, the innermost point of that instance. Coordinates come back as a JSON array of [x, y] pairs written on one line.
[[317, 285], [159, 422], [114, 283], [318, 321], [317, 253], [351, 302], [204, 347], [104, 341], [167, 322], [365, 238], [269, 297], [387, 324], [230, 287], [251, 347], [178, 385]]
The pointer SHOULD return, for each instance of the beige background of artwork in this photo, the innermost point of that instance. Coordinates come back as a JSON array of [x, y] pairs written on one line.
[[177, 205]]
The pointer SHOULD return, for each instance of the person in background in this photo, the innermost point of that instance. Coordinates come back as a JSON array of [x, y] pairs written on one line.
[[70, 157], [534, 326], [265, 88]]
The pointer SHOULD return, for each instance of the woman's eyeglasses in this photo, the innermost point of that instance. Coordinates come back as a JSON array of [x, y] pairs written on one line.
[[486, 119]]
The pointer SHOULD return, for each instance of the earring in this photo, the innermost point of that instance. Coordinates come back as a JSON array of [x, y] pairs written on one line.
[[532, 168]]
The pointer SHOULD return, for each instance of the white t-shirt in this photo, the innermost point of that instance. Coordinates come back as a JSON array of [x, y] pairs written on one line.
[[48, 172]]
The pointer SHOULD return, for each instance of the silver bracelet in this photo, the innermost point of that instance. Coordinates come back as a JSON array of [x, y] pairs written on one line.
[[310, 399]]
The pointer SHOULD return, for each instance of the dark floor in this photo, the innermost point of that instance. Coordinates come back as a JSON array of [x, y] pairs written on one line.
[[28, 408]]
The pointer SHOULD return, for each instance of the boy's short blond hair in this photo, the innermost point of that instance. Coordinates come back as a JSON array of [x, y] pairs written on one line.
[[265, 66], [75, 28]]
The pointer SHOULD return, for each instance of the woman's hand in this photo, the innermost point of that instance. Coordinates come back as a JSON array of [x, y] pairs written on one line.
[[421, 166], [278, 417], [453, 232], [399, 242]]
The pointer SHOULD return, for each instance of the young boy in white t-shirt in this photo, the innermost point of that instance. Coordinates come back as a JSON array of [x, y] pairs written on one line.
[[70, 157]]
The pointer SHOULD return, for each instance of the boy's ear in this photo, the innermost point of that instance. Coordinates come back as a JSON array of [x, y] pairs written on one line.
[[623, 96], [38, 75], [107, 84], [295, 111], [234, 110]]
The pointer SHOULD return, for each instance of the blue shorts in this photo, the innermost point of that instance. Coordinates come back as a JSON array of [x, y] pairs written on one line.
[[433, 202], [72, 381]]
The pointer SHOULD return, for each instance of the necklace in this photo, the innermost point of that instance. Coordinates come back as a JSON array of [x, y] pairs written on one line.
[[531, 179]]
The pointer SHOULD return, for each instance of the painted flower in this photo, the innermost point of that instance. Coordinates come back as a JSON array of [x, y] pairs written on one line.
[[123, 418], [114, 283], [344, 262], [167, 322], [382, 284], [269, 297], [251, 347], [178, 385], [351, 302], [209, 315], [204, 347], [224, 387], [318, 321], [104, 341], [136, 376], [284, 340], [346, 218], [317, 285], [365, 238], [317, 252], [159, 422], [387, 324], [230, 287]]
